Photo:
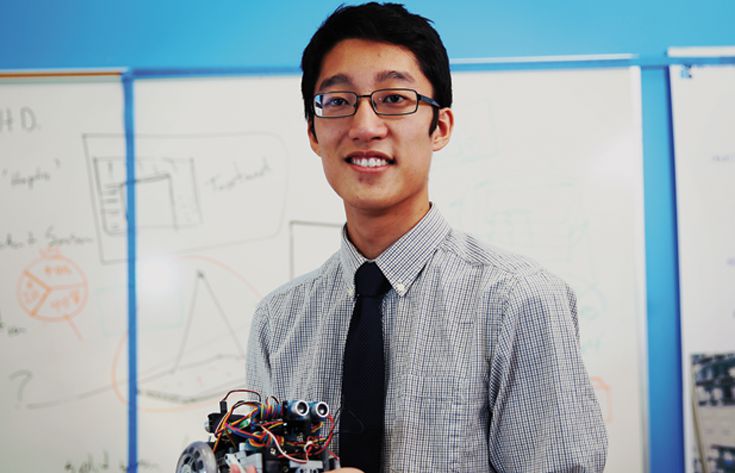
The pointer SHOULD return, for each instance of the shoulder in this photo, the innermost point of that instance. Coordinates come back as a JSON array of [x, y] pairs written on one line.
[[473, 252], [527, 299], [299, 289], [519, 276]]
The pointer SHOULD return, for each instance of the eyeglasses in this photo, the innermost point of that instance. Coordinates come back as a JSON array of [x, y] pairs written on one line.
[[386, 102]]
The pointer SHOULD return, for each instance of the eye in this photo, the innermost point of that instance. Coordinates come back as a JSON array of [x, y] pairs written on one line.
[[335, 102], [393, 99]]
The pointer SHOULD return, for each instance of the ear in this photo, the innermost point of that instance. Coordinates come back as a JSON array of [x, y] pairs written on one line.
[[443, 131], [312, 135]]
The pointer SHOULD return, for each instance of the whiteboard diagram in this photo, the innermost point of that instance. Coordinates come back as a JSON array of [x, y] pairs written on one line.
[[192, 332], [189, 188], [52, 288], [167, 182]]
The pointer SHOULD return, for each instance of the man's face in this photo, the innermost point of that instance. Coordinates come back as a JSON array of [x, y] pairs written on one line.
[[377, 164]]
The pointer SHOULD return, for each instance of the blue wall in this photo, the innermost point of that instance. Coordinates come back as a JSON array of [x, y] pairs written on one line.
[[187, 33], [245, 33]]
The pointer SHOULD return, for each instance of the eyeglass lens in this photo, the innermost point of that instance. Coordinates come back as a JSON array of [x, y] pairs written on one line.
[[384, 102]]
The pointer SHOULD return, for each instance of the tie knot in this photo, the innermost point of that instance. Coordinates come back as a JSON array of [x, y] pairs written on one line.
[[370, 281]]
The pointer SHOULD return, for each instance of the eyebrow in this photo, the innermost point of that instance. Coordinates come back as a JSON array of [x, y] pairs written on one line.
[[400, 75], [334, 80], [343, 79]]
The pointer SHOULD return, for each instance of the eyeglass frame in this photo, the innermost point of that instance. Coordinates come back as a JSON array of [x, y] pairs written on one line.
[[419, 98]]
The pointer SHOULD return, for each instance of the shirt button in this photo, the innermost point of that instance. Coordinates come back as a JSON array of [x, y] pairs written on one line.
[[400, 288], [350, 291]]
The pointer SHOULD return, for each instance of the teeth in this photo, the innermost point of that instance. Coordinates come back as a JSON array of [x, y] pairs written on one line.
[[369, 162]]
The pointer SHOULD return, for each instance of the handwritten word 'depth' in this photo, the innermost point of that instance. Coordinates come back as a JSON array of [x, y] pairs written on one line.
[[29, 179]]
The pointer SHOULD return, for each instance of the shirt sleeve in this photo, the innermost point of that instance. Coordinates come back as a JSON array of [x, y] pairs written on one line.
[[544, 413], [258, 376]]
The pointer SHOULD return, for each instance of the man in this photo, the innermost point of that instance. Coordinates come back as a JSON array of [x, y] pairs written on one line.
[[476, 350]]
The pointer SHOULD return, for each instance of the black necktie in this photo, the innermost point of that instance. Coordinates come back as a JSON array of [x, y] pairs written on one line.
[[363, 376]]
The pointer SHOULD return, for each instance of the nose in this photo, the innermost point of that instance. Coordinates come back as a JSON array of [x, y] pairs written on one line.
[[366, 125]]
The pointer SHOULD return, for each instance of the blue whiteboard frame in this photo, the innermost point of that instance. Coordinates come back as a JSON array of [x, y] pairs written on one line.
[[129, 126]]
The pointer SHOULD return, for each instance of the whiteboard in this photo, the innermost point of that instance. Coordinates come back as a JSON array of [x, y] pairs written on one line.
[[232, 203], [703, 101], [550, 166], [62, 311]]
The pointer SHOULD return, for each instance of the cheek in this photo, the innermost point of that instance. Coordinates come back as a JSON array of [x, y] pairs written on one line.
[[418, 145], [414, 133], [331, 170], [327, 135]]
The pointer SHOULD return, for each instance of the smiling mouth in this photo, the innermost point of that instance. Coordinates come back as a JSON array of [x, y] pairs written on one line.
[[369, 162]]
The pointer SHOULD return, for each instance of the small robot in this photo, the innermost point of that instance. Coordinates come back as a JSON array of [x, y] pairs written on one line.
[[272, 436]]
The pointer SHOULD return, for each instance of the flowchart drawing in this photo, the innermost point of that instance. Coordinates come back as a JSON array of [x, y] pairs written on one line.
[[193, 192], [166, 186]]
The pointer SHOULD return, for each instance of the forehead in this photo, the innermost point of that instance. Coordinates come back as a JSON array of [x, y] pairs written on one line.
[[361, 63]]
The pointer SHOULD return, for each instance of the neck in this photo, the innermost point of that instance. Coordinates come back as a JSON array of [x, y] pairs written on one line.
[[372, 232]]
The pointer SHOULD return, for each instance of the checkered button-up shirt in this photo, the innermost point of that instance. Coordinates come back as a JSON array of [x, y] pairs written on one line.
[[483, 367]]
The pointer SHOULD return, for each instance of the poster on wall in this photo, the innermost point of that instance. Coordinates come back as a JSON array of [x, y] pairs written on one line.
[[703, 102], [713, 411]]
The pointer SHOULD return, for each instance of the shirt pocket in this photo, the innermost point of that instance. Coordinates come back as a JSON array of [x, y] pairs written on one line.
[[426, 431]]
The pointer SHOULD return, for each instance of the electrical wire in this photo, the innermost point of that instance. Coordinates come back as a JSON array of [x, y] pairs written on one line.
[[261, 427]]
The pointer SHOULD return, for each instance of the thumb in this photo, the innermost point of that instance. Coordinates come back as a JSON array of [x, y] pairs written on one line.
[[238, 469]]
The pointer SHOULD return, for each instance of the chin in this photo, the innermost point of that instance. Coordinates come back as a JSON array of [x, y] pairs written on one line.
[[369, 204]]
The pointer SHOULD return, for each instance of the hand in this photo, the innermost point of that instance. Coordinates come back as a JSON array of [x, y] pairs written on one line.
[[237, 469], [251, 469]]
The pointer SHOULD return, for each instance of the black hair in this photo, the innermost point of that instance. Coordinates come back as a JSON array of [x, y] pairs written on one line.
[[388, 23]]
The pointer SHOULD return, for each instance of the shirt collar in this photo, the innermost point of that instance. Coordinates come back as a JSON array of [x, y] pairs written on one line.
[[403, 260]]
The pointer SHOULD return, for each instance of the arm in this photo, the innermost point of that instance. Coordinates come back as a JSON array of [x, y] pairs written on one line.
[[544, 413], [258, 365]]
